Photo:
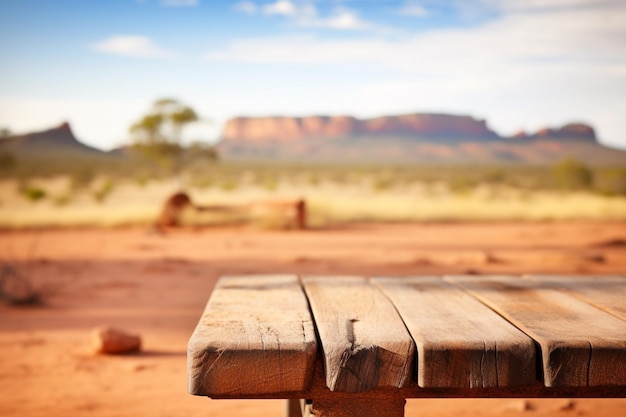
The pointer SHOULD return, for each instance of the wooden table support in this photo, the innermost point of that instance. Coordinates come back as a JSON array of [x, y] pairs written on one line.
[[358, 407], [351, 346], [346, 407]]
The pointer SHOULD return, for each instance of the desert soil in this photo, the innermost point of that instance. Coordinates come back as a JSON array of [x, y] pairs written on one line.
[[157, 286]]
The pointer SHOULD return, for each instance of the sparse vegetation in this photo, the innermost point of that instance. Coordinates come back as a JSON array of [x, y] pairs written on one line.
[[203, 183], [336, 193], [30, 281], [103, 191], [33, 193], [142, 179], [63, 199], [313, 180], [610, 181], [382, 182], [228, 184], [270, 184], [572, 174], [82, 177]]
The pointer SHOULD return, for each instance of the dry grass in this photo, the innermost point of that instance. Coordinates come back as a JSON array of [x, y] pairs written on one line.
[[328, 202]]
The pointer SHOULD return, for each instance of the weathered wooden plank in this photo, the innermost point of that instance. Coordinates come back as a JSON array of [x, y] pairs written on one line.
[[256, 336], [605, 292], [461, 343], [581, 345], [364, 341]]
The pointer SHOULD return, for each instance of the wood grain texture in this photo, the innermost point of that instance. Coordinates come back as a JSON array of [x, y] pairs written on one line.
[[461, 343], [364, 341], [605, 292], [581, 345], [256, 336]]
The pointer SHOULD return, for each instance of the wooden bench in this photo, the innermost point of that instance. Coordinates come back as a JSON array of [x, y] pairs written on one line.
[[351, 346]]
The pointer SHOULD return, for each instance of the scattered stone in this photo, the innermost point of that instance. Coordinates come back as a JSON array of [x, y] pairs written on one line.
[[611, 243], [569, 405], [421, 262], [136, 367], [597, 258], [519, 406], [108, 340]]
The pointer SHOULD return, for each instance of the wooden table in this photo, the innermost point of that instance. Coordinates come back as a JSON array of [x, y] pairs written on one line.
[[349, 346]]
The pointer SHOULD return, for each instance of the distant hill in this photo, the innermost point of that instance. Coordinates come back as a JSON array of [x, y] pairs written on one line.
[[409, 138], [56, 142], [292, 129]]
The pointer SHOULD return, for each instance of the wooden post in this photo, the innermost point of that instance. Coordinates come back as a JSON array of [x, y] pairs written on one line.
[[358, 407], [301, 215], [293, 408]]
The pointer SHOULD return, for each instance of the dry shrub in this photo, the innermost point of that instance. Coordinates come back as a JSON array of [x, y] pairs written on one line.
[[31, 281]]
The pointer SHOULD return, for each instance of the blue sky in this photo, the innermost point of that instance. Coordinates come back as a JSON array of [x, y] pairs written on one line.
[[520, 64]]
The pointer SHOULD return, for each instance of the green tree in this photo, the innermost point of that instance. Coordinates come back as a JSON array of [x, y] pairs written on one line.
[[571, 174], [158, 135]]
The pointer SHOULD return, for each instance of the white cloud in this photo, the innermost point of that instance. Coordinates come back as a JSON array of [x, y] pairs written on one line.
[[246, 7], [281, 7], [277, 8], [134, 46], [305, 14], [413, 9], [515, 42], [340, 19], [290, 9], [539, 6], [538, 63], [307, 50], [530, 67], [179, 3]]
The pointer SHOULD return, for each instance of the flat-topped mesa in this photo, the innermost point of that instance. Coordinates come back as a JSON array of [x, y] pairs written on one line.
[[577, 131], [289, 129], [430, 125], [408, 138], [568, 131]]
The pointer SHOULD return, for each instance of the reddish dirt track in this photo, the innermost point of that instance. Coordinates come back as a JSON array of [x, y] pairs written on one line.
[[157, 286]]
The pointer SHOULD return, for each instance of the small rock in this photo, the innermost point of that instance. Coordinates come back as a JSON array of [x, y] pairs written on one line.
[[569, 405], [595, 258], [421, 261], [519, 406], [136, 367], [108, 340]]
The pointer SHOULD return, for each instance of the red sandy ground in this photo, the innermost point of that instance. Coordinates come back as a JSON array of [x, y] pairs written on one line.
[[158, 285]]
